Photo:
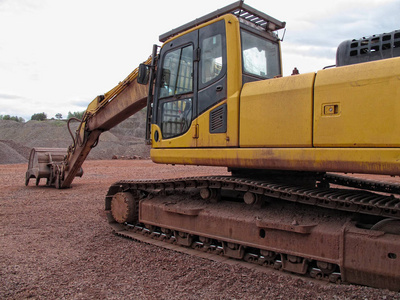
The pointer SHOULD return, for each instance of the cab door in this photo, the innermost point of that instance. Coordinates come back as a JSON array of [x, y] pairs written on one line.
[[211, 110], [190, 96], [175, 94]]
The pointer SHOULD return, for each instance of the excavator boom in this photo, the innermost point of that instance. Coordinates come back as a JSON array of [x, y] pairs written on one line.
[[61, 166]]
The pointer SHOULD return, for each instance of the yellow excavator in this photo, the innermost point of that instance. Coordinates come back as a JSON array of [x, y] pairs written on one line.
[[215, 96]]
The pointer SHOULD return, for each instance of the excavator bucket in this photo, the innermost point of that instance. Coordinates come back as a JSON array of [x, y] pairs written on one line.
[[43, 162]]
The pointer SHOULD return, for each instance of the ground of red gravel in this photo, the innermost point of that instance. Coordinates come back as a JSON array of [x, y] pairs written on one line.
[[56, 244]]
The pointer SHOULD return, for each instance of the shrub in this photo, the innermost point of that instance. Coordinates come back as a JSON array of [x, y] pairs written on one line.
[[76, 114], [12, 118], [39, 116]]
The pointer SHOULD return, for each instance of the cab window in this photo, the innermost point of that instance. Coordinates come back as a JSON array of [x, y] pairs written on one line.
[[176, 117], [211, 58], [260, 56], [177, 72], [212, 80]]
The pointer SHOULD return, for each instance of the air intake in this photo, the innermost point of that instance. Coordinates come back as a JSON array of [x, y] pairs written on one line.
[[218, 119]]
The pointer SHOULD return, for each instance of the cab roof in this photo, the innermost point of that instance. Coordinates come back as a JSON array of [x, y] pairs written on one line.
[[239, 9]]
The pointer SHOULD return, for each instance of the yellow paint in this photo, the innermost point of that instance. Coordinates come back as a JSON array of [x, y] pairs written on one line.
[[205, 139], [93, 106], [277, 112], [368, 102], [234, 71], [363, 160], [186, 140]]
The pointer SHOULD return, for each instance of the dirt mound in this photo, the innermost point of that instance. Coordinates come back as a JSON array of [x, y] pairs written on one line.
[[16, 139], [8, 153]]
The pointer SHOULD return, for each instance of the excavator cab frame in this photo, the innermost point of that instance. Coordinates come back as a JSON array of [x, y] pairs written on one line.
[[206, 112]]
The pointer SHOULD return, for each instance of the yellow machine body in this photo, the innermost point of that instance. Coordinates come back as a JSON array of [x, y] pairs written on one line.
[[338, 119]]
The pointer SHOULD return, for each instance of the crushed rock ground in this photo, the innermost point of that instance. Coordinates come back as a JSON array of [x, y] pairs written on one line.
[[56, 244]]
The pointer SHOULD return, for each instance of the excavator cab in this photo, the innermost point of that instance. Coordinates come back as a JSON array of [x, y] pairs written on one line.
[[199, 76]]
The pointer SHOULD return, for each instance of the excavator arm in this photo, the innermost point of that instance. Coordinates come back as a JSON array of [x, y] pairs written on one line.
[[61, 166]]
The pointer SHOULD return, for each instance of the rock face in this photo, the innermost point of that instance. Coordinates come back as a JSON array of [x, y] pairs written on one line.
[[16, 139]]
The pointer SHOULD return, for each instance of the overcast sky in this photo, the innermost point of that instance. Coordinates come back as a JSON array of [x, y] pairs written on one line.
[[58, 55]]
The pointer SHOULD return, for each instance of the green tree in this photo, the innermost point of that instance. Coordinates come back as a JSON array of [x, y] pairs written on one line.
[[12, 118], [58, 116], [76, 114], [39, 116]]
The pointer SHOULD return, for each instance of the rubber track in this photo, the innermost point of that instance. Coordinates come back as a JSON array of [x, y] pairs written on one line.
[[358, 201]]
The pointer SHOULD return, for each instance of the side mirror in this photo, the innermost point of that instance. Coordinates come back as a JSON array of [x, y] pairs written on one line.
[[143, 76]]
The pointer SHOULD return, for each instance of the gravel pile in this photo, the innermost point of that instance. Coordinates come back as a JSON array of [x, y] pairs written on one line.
[[56, 244], [13, 153], [126, 139]]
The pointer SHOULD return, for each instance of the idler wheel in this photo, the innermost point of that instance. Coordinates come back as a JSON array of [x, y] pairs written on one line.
[[123, 208]]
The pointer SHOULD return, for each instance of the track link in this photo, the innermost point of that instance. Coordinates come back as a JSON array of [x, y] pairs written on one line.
[[371, 185], [357, 201], [215, 253]]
